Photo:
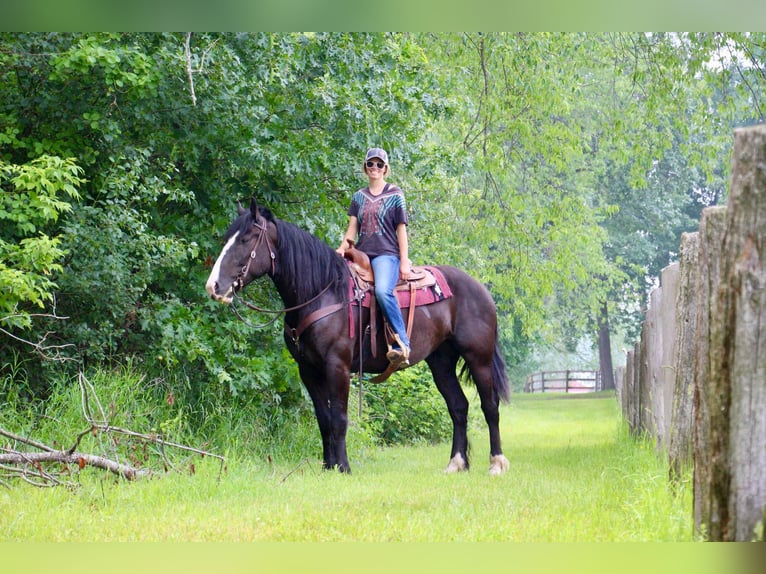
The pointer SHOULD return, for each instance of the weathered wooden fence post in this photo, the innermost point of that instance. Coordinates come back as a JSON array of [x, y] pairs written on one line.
[[665, 362], [619, 388], [711, 232], [738, 351], [643, 377], [655, 351], [681, 419], [712, 353], [634, 395]]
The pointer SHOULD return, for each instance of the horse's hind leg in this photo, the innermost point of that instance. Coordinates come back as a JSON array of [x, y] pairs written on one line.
[[481, 373], [443, 364]]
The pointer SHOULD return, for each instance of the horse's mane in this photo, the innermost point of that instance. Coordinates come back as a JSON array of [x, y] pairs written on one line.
[[307, 263]]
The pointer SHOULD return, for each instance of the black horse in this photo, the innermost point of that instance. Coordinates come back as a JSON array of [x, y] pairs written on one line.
[[321, 330]]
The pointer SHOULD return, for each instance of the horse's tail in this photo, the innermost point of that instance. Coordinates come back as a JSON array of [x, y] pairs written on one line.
[[499, 376]]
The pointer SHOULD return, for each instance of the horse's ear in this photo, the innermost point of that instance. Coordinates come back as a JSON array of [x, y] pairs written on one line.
[[240, 209], [253, 208]]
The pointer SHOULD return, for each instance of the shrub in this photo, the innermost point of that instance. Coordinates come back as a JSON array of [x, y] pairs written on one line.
[[406, 409]]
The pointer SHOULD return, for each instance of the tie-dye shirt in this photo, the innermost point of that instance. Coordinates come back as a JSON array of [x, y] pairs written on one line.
[[378, 218]]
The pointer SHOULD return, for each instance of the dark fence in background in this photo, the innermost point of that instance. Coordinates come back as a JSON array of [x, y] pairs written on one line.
[[569, 381]]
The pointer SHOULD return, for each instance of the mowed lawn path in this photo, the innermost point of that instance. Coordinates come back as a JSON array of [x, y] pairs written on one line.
[[575, 476]]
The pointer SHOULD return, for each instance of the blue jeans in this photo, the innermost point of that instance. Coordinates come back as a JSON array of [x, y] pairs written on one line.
[[386, 270]]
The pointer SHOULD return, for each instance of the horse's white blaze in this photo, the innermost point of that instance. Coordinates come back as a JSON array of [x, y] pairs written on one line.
[[456, 464], [216, 272], [498, 464]]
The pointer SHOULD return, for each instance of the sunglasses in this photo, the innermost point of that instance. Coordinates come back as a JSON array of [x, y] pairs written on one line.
[[379, 164]]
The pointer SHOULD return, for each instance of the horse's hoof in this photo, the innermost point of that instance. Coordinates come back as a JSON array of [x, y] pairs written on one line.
[[498, 464], [456, 464]]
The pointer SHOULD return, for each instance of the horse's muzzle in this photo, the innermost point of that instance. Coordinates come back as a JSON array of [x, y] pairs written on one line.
[[212, 288]]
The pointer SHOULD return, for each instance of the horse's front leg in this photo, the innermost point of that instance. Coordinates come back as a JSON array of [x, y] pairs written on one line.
[[329, 394], [316, 390], [338, 380]]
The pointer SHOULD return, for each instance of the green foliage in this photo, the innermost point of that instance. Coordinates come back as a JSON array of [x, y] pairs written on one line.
[[16, 396], [406, 409], [105, 59], [663, 170], [528, 217], [559, 169], [228, 356], [32, 197], [120, 258], [163, 171]]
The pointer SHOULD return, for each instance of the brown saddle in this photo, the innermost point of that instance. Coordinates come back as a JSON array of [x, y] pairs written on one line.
[[360, 265], [364, 278]]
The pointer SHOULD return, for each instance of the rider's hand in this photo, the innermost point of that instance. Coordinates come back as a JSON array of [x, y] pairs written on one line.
[[405, 269]]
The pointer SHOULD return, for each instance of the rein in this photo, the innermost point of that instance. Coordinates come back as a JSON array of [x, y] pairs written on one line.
[[234, 309], [255, 307], [293, 332]]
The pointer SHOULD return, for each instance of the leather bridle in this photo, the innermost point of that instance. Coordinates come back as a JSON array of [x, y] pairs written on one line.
[[239, 285]]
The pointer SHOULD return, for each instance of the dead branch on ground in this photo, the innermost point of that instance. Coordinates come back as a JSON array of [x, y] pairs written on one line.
[[42, 465]]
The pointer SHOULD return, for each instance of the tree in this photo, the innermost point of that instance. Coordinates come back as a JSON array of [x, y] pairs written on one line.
[[525, 198], [282, 117], [557, 168], [32, 197], [688, 108]]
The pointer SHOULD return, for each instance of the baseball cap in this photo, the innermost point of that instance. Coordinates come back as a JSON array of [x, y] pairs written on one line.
[[377, 152]]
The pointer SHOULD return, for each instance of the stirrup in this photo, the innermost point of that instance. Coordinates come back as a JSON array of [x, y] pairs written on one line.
[[400, 357], [397, 358]]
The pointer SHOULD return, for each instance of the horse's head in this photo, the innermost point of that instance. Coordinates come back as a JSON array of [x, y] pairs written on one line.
[[247, 254]]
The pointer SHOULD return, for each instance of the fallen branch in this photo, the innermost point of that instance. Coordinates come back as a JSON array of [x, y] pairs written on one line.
[[26, 441], [49, 466], [87, 389], [81, 459]]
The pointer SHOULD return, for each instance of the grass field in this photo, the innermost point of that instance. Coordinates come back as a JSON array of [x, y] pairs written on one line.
[[575, 476]]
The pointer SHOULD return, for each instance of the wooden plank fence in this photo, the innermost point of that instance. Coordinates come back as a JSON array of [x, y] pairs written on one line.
[[568, 381], [696, 379]]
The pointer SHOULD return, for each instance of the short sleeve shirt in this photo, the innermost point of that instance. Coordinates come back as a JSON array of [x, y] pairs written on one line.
[[378, 217]]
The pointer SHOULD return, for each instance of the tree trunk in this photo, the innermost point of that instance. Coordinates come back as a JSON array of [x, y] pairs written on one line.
[[605, 349]]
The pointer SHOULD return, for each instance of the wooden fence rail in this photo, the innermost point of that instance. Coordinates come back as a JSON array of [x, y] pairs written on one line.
[[696, 379], [569, 381]]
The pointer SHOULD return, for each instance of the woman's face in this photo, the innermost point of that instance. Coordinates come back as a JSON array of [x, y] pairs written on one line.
[[375, 168]]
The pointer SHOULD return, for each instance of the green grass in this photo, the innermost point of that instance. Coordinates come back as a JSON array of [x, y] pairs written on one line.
[[575, 476]]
